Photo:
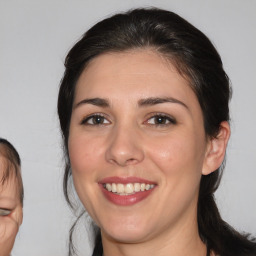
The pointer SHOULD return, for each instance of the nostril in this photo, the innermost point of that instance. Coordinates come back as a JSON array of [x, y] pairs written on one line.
[[124, 162], [131, 161]]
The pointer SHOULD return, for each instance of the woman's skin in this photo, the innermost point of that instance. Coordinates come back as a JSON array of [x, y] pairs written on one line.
[[9, 199], [135, 117]]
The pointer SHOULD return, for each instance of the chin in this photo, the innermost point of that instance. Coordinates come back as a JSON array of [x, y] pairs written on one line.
[[127, 237], [126, 232]]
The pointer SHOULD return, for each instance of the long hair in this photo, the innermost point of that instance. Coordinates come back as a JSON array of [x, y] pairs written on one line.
[[197, 60]]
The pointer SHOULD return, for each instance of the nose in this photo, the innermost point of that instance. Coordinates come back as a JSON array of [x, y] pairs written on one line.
[[125, 147]]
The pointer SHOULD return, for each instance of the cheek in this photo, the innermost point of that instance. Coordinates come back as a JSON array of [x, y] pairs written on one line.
[[180, 165], [84, 159], [84, 155], [177, 155]]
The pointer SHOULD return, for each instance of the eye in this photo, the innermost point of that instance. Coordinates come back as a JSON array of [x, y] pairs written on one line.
[[161, 120], [4, 212], [95, 119]]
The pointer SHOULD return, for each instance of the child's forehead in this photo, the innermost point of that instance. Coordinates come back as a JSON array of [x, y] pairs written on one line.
[[10, 175], [7, 170], [8, 179], [3, 150], [4, 163]]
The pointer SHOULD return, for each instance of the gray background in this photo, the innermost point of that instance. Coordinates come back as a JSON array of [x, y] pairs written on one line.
[[34, 39]]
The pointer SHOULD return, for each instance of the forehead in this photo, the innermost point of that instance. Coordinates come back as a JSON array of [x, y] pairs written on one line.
[[7, 169], [132, 75], [8, 178], [129, 66]]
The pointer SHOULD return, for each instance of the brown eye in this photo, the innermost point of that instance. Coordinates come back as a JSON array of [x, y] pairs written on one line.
[[95, 120], [161, 120]]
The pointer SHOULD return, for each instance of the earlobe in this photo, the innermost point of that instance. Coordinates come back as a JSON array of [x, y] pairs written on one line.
[[216, 149]]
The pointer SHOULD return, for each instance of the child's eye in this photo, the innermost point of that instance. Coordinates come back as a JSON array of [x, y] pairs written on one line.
[[4, 212], [95, 119], [161, 119]]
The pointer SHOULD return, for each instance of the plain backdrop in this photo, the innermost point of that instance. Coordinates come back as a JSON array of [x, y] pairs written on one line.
[[36, 35]]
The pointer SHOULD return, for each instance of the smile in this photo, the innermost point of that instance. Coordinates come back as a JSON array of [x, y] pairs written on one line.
[[127, 189]]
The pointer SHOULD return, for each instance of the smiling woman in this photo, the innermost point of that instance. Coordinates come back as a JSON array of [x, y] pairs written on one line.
[[143, 107]]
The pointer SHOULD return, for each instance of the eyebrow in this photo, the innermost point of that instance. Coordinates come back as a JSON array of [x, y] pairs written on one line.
[[154, 101], [94, 101], [100, 102]]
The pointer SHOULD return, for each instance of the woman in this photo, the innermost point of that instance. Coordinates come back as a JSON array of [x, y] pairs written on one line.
[[143, 108]]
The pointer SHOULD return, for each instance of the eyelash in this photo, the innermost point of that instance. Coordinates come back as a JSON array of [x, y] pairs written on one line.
[[164, 117], [101, 118], [86, 120], [4, 212]]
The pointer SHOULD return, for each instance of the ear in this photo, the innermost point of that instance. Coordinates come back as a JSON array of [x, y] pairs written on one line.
[[216, 149]]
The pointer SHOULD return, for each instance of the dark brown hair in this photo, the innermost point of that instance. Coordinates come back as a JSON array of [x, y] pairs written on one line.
[[196, 58]]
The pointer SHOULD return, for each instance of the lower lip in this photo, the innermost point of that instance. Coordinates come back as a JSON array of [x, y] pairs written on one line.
[[126, 200]]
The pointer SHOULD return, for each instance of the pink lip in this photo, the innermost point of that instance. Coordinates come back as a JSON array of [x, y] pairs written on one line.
[[129, 199]]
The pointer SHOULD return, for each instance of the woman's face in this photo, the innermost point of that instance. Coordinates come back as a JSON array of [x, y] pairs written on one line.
[[137, 145]]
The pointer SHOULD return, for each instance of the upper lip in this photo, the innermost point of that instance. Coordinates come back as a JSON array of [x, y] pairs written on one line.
[[125, 180]]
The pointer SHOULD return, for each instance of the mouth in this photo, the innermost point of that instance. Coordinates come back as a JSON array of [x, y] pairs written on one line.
[[126, 191]]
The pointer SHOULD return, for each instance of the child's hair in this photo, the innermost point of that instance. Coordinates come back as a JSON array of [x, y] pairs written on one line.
[[12, 165]]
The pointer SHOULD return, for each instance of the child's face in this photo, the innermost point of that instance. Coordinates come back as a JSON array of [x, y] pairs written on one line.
[[10, 208]]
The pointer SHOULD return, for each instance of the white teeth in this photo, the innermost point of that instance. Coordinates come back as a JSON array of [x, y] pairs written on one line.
[[120, 188], [147, 187], [127, 189], [108, 187], [113, 187], [136, 187]]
